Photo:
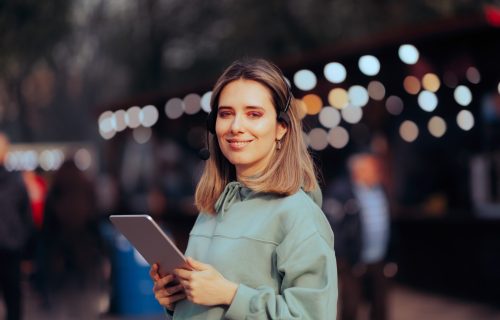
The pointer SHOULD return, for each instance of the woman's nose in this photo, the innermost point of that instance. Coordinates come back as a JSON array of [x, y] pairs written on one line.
[[236, 124]]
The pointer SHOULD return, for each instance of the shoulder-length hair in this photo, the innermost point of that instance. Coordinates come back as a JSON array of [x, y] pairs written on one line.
[[289, 169]]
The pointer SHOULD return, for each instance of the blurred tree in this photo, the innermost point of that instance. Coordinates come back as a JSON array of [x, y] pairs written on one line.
[[29, 31]]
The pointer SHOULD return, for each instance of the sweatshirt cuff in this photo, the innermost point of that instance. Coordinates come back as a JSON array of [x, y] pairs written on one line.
[[240, 306]]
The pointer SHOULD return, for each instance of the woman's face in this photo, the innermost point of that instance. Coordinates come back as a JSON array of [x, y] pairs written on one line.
[[246, 126]]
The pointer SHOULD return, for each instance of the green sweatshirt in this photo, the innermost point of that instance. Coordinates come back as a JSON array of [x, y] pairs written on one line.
[[279, 250]]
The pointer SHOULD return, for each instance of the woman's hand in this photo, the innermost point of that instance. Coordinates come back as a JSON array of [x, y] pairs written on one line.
[[204, 285], [166, 290]]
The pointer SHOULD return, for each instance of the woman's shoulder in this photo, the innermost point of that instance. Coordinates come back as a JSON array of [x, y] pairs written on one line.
[[299, 211]]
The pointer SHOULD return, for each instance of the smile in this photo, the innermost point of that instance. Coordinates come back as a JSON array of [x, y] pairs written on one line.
[[238, 144]]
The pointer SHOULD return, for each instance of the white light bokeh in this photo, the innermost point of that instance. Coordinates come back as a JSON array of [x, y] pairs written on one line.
[[318, 139], [83, 159], [358, 96], [408, 131], [105, 122], [427, 100], [437, 126], [132, 117], [408, 53], [352, 114], [107, 135], [335, 72], [192, 103], [465, 120], [205, 101], [305, 80], [369, 65], [329, 117], [142, 135], [498, 88], [119, 118], [462, 95], [174, 108], [51, 159], [473, 75], [148, 116], [376, 90], [394, 105], [338, 137]]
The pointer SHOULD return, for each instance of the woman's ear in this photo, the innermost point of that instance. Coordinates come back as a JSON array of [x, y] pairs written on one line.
[[281, 130]]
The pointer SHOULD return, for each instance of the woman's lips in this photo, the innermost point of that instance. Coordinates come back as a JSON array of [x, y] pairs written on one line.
[[238, 144]]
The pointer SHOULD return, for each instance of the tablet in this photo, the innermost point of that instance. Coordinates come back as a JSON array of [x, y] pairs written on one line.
[[151, 242]]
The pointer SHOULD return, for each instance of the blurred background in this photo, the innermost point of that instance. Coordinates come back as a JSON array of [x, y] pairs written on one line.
[[104, 103]]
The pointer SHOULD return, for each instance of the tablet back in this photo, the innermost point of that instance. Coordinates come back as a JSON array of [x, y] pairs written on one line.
[[151, 242]]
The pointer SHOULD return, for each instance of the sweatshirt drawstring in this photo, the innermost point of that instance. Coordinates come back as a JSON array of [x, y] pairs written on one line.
[[230, 195]]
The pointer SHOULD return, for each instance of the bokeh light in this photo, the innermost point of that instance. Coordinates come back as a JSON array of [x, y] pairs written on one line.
[[105, 125], [313, 103], [427, 101], [329, 117], [369, 65], [338, 98], [408, 53], [376, 90], [132, 117], [408, 131], [352, 114], [473, 75], [82, 159], [358, 96], [394, 105], [338, 137], [462, 95], [437, 126], [119, 120], [174, 108], [465, 120], [305, 80], [318, 139], [142, 135], [431, 82], [335, 72], [148, 116], [192, 103], [411, 85], [205, 101]]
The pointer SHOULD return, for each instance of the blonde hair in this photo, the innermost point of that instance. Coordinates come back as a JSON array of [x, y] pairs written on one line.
[[289, 169]]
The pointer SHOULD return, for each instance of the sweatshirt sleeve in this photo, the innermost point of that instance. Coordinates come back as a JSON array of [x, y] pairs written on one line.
[[308, 288]]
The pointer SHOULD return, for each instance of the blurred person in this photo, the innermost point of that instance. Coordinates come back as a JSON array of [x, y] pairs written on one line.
[[15, 229], [73, 261], [358, 210], [261, 247], [37, 191]]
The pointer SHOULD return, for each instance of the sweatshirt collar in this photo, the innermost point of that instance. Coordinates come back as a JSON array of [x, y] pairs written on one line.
[[233, 192]]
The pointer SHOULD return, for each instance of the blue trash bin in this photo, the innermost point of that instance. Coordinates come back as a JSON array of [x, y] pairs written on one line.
[[132, 286]]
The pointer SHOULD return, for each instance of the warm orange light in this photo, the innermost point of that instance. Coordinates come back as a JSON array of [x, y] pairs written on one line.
[[313, 103], [411, 85], [431, 82]]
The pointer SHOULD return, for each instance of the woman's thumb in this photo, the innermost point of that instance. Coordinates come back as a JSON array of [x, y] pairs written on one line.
[[196, 265]]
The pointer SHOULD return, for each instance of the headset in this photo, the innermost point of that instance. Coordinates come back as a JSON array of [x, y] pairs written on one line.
[[204, 153]]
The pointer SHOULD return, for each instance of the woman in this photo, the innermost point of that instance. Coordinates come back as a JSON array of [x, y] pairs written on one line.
[[261, 248]]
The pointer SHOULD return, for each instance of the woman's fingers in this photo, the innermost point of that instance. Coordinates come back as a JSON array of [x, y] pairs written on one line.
[[162, 282], [153, 272], [169, 302]]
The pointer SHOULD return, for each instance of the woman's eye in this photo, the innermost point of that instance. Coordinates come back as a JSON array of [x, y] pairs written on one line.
[[254, 114], [224, 114]]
